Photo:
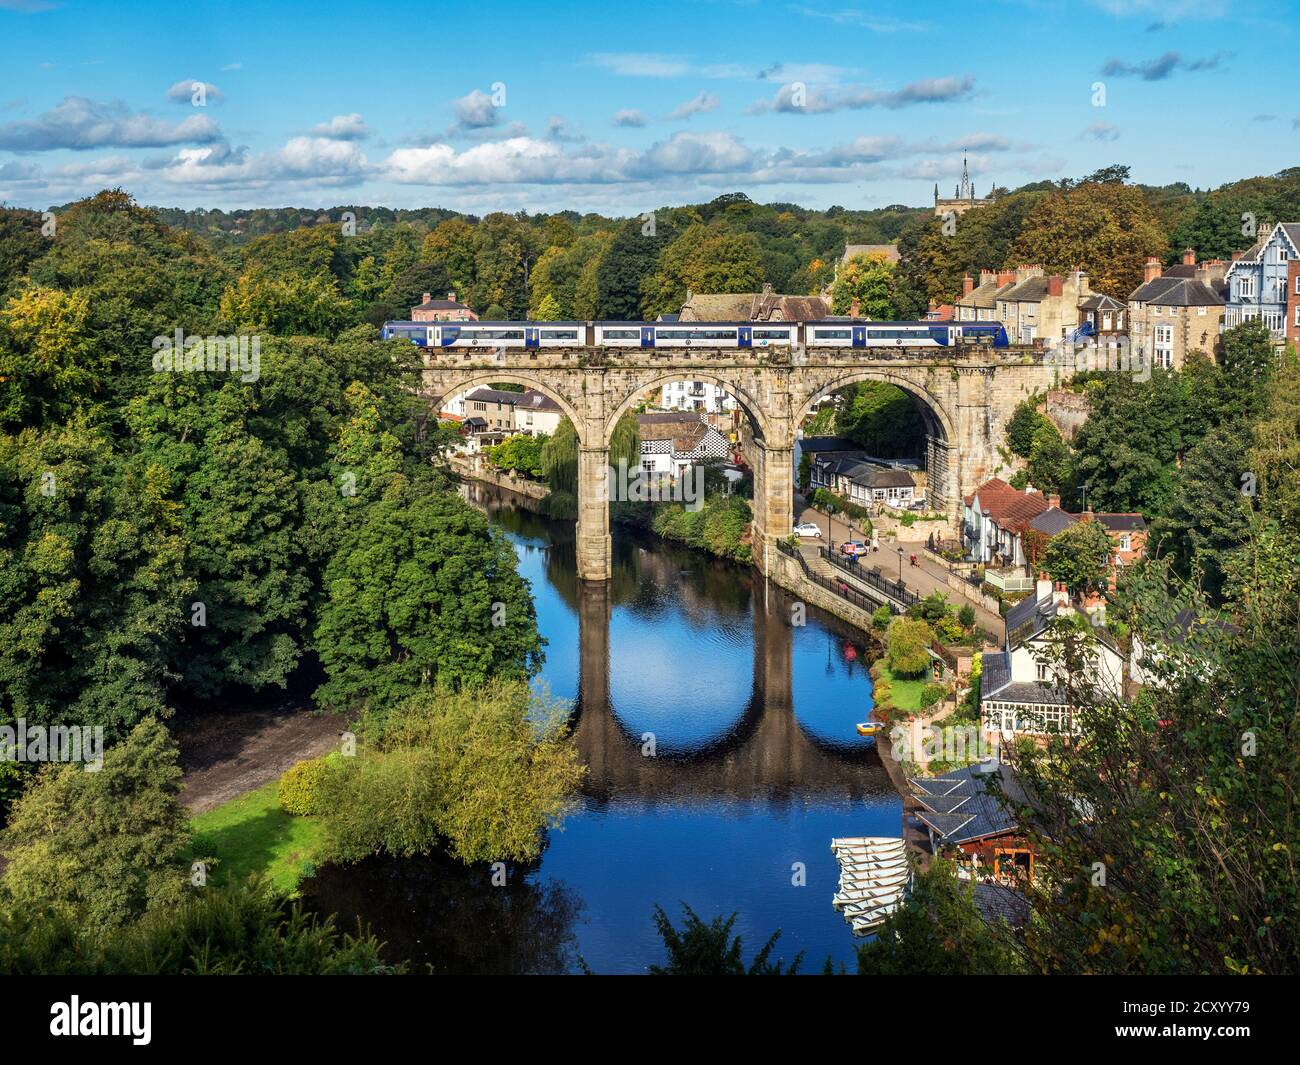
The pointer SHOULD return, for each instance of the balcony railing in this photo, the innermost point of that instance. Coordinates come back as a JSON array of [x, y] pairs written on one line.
[[1008, 583]]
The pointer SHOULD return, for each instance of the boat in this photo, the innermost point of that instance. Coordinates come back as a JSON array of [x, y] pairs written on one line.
[[869, 728]]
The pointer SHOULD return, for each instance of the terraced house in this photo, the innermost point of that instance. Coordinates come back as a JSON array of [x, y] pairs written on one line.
[[1260, 281], [1177, 310]]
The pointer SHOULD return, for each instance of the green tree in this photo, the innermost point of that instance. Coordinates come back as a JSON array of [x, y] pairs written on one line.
[[882, 418], [484, 771], [939, 931], [908, 641], [1077, 555], [709, 949], [102, 848], [869, 279], [421, 592]]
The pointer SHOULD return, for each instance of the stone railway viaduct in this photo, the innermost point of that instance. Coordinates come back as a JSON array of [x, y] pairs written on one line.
[[965, 396]]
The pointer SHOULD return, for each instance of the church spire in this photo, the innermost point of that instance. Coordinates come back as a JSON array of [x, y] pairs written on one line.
[[967, 193]]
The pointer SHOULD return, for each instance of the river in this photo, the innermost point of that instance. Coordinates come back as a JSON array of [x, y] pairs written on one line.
[[722, 758]]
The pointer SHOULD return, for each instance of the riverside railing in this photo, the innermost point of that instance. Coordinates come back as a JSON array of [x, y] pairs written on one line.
[[895, 590]]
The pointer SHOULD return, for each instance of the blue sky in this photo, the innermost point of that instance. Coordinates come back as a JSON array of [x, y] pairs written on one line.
[[620, 108]]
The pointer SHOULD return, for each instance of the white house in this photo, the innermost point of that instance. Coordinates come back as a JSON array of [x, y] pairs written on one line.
[[673, 443], [1021, 691], [703, 396], [537, 414]]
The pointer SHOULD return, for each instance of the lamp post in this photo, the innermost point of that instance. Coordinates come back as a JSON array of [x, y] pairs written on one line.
[[900, 566]]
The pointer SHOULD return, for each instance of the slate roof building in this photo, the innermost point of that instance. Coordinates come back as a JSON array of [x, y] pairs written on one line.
[[765, 306], [1177, 311], [963, 813], [995, 518], [862, 479], [673, 443], [1258, 281]]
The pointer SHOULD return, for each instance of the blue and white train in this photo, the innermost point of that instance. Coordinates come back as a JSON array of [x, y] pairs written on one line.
[[846, 333]]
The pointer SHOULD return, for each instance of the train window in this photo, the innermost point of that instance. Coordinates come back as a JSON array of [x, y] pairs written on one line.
[[492, 334], [833, 334], [695, 334], [621, 334], [771, 334], [560, 334]]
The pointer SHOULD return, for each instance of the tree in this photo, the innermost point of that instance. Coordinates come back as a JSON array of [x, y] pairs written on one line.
[[1024, 422], [908, 641], [451, 246], [1077, 555], [1049, 459], [93, 556], [1107, 229], [548, 310], [882, 418], [285, 304], [938, 931], [233, 930], [101, 849], [50, 364], [485, 770], [420, 593], [869, 279], [701, 949]]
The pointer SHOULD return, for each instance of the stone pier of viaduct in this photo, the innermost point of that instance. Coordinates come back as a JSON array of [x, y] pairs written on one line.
[[965, 396]]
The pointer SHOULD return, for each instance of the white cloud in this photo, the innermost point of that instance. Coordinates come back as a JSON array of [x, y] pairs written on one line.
[[797, 98], [78, 123], [700, 104], [628, 117], [343, 128]]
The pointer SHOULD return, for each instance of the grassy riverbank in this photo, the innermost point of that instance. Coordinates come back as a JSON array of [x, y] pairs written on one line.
[[251, 834]]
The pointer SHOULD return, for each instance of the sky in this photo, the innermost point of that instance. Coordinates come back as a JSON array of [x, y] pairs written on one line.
[[620, 108]]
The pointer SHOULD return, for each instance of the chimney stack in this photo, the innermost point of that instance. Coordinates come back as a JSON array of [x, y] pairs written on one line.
[[452, 296], [1055, 285], [855, 307], [1152, 270], [1189, 256], [1054, 500], [967, 285], [1237, 255], [1006, 277], [425, 298]]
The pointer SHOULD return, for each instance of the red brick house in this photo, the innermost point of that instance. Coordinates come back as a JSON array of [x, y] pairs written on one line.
[[448, 310], [1293, 302]]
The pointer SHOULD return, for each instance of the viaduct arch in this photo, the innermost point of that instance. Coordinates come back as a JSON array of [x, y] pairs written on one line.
[[966, 396]]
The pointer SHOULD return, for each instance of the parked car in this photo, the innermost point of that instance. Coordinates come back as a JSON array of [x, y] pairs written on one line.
[[853, 548], [807, 528]]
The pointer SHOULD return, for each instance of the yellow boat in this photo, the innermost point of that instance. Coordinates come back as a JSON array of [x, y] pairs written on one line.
[[869, 728]]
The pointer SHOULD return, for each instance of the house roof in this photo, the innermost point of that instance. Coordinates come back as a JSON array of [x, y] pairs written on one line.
[[685, 433], [1052, 521], [995, 672], [1030, 290], [534, 400], [495, 395], [763, 306], [997, 902], [1122, 522], [983, 814], [1099, 302], [1010, 509], [985, 295], [870, 474], [1169, 291]]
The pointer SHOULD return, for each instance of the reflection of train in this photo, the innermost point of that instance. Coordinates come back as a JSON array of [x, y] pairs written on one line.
[[847, 333]]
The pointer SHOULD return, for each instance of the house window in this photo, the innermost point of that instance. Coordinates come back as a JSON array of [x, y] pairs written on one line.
[[1200, 311], [1044, 671], [1297, 315], [1126, 542], [1297, 284], [1273, 320], [1159, 311], [1246, 288]]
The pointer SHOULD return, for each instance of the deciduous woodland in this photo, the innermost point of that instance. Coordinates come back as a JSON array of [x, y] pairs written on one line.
[[172, 542]]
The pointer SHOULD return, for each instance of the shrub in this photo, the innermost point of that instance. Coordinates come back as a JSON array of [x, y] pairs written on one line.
[[907, 520], [909, 647], [300, 787], [966, 616], [881, 618], [932, 694]]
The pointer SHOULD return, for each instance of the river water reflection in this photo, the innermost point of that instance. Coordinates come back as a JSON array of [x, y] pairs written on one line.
[[756, 767]]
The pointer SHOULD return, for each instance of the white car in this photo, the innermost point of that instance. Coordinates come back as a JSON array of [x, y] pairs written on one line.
[[807, 528]]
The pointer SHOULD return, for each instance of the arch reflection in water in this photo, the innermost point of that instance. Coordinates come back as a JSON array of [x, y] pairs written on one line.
[[768, 773]]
